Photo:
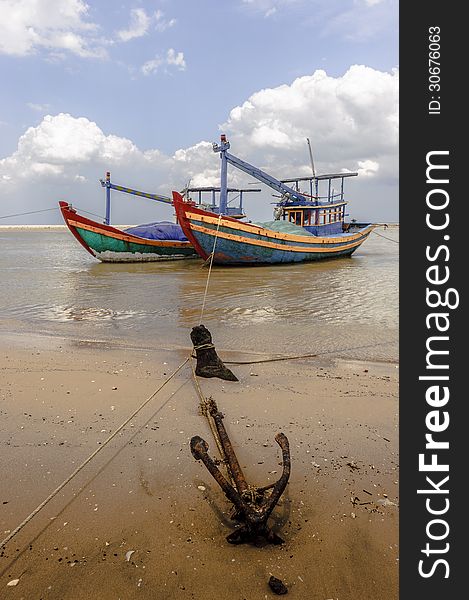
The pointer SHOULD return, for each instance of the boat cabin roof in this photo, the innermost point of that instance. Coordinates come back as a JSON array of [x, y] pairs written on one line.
[[217, 189], [315, 205], [320, 177], [321, 194]]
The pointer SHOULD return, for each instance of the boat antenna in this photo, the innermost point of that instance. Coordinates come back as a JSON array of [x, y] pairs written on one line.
[[185, 189], [311, 157]]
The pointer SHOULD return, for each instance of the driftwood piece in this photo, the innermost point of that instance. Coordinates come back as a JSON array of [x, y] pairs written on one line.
[[208, 362]]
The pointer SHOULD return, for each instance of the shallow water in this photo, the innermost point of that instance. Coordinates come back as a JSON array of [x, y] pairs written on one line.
[[344, 307]]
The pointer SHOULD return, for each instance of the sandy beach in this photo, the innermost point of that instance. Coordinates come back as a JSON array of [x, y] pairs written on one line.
[[145, 520]]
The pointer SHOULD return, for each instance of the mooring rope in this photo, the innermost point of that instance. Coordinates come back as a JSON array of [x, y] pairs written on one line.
[[386, 238], [300, 356], [32, 212], [89, 459], [88, 212], [266, 360], [210, 268]]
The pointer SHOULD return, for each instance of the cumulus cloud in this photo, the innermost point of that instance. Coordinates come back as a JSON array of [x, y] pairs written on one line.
[[57, 28], [61, 146], [349, 119], [352, 122], [27, 26], [367, 168]]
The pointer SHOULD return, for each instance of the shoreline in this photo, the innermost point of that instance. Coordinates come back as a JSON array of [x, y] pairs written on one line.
[[145, 494], [46, 227], [64, 227], [45, 340]]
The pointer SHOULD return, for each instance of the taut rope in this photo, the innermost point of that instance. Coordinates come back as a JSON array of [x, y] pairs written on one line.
[[210, 269]]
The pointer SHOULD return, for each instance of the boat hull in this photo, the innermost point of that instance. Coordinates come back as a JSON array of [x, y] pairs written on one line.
[[109, 244], [238, 243]]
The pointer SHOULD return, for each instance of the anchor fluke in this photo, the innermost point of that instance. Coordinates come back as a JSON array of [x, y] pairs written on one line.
[[198, 447]]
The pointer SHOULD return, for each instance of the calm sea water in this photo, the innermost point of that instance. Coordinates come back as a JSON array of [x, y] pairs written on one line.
[[346, 307]]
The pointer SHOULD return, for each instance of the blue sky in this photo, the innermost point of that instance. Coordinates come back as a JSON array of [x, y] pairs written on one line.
[[142, 87]]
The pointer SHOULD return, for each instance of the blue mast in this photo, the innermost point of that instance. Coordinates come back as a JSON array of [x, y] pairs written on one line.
[[106, 183], [222, 148], [107, 219]]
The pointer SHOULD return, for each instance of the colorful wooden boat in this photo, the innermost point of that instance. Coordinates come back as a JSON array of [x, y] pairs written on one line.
[[110, 244], [239, 243], [307, 227], [143, 243]]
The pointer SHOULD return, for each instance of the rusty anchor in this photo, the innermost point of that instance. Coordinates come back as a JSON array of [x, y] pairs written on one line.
[[252, 506]]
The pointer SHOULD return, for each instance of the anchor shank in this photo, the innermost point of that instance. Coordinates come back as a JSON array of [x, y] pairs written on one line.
[[233, 463]]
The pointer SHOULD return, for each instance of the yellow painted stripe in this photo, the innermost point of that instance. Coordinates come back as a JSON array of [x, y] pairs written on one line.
[[267, 232], [129, 238], [265, 244]]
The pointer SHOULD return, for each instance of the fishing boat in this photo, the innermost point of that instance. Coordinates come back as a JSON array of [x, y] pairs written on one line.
[[109, 244], [162, 240], [306, 227]]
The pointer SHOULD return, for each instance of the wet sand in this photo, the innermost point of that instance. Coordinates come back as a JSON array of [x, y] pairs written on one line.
[[144, 520]]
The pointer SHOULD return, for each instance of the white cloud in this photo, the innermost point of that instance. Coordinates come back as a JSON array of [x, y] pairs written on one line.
[[61, 144], [172, 59], [176, 59], [197, 164], [152, 66], [348, 119], [139, 25], [352, 122], [367, 168], [27, 26]]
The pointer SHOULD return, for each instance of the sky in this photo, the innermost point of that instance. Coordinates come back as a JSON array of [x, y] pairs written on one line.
[[141, 88]]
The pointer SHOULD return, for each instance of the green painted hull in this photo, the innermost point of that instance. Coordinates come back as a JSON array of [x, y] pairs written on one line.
[[109, 244], [105, 246]]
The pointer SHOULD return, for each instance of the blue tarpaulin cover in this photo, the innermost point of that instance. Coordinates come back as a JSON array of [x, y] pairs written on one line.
[[162, 230]]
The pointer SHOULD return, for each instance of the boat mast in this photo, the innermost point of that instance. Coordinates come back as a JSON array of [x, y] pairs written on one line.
[[106, 183], [222, 148], [311, 157], [107, 219], [312, 166]]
